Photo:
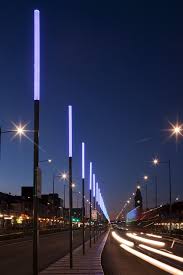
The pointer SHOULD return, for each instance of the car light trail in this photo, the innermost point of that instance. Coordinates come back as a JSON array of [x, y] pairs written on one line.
[[144, 240], [121, 240], [168, 268], [163, 253], [155, 236]]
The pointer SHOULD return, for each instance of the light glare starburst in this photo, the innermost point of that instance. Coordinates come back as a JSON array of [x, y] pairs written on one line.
[[175, 130], [20, 130]]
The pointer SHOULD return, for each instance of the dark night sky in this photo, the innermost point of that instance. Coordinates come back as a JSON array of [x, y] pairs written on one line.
[[120, 64]]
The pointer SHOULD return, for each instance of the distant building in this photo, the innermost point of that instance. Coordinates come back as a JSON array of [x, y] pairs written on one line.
[[53, 204], [27, 192], [13, 207], [138, 198], [76, 214]]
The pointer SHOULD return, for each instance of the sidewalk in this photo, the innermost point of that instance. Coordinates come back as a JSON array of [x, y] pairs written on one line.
[[90, 263]]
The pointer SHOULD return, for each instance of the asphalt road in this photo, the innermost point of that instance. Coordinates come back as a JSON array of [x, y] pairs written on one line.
[[116, 261], [16, 255]]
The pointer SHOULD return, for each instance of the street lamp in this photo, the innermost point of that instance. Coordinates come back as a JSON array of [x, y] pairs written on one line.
[[156, 162], [46, 160], [176, 130], [64, 176], [19, 130]]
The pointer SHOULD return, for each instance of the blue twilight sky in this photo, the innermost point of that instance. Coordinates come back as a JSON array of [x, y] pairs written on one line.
[[120, 65]]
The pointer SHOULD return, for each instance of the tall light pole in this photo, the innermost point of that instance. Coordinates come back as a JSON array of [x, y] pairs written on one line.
[[36, 140], [53, 197], [156, 191], [83, 195], [96, 195], [94, 201], [146, 179], [156, 162], [70, 184], [90, 188], [64, 177]]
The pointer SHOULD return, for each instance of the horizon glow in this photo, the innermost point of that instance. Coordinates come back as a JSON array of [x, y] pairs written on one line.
[[70, 130], [83, 160], [36, 55]]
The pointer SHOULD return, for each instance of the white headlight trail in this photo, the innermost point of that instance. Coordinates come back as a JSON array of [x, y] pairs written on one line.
[[163, 253], [121, 240], [154, 262], [144, 240]]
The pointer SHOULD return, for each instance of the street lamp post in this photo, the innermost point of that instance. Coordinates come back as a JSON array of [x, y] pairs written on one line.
[[36, 140], [156, 162], [156, 192], [70, 184], [60, 176], [77, 199], [146, 179], [53, 199], [64, 194], [170, 194], [64, 177]]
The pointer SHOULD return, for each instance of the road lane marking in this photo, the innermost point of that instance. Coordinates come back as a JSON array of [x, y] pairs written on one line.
[[173, 244]]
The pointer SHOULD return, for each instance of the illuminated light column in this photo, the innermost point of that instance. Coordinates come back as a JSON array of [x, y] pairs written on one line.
[[70, 184], [94, 202], [94, 190], [90, 188], [83, 195], [36, 140]]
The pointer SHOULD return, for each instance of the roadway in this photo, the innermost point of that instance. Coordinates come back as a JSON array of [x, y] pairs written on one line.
[[16, 255], [118, 261]]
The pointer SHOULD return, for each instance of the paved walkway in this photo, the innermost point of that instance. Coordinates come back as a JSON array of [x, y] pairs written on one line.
[[90, 263]]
